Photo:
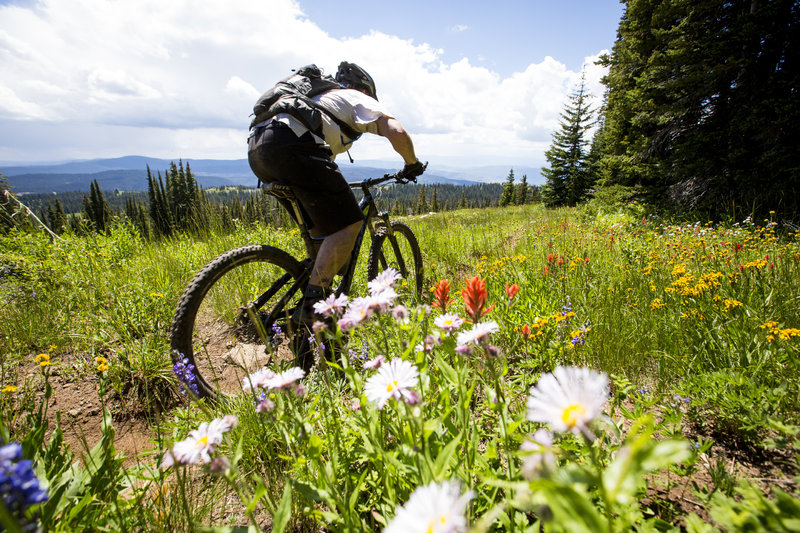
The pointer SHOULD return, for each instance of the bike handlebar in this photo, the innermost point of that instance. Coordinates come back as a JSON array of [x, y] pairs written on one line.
[[371, 182]]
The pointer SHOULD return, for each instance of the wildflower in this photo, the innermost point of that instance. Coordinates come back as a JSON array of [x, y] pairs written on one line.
[[265, 404], [101, 364], [357, 312], [526, 331], [426, 345], [267, 379], [382, 301], [477, 334], [41, 357], [184, 371], [9, 389], [538, 454], [400, 313], [277, 334], [448, 322], [374, 363], [18, 483], [434, 508], [258, 379], [568, 399], [474, 296], [441, 293], [219, 466], [383, 281], [393, 380], [331, 306], [201, 442], [286, 379], [511, 291]]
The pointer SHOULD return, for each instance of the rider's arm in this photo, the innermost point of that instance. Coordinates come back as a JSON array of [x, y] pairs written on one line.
[[399, 138]]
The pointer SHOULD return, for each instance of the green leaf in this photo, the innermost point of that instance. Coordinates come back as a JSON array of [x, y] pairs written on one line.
[[315, 445], [447, 371], [284, 511], [443, 459]]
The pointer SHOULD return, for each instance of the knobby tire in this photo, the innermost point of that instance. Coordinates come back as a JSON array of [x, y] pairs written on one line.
[[210, 328], [398, 250]]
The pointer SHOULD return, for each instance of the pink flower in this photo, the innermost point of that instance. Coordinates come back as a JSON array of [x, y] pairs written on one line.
[[332, 305]]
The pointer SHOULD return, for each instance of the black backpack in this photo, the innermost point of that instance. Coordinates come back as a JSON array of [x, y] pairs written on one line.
[[293, 94]]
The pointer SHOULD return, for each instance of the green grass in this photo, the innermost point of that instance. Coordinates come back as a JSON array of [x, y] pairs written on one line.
[[705, 311]]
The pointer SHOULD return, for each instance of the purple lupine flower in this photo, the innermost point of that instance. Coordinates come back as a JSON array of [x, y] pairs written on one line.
[[184, 371], [19, 486]]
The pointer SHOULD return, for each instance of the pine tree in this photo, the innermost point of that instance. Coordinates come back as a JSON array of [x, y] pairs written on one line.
[[55, 216], [567, 177], [702, 105], [507, 197], [435, 207], [96, 209], [422, 202], [521, 193]]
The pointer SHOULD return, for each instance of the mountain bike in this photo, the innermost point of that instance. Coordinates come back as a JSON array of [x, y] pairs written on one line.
[[233, 317]]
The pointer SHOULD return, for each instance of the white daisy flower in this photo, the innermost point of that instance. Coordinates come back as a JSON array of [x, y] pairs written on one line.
[[568, 399], [374, 363], [538, 455], [381, 302], [434, 508], [477, 334], [197, 447], [257, 379], [286, 379], [360, 309], [332, 305], [393, 380], [384, 280], [448, 322]]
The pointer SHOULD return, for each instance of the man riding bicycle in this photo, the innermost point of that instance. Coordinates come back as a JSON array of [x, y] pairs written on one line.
[[288, 143]]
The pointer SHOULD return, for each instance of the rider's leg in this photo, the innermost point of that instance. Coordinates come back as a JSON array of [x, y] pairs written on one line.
[[333, 254]]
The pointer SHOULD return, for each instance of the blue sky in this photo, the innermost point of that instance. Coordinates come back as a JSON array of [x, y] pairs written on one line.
[[505, 36], [474, 82]]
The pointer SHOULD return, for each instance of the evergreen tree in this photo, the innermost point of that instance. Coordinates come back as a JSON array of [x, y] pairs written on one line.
[[462, 202], [702, 105], [56, 218], [96, 209], [435, 207], [567, 176], [422, 202], [521, 193], [507, 196]]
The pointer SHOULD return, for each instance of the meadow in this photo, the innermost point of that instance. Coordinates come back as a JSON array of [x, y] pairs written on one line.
[[581, 369]]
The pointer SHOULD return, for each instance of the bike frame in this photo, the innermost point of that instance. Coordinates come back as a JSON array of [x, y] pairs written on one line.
[[367, 205]]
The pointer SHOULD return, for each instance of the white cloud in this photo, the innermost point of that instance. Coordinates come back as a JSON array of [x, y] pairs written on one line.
[[458, 28], [182, 76]]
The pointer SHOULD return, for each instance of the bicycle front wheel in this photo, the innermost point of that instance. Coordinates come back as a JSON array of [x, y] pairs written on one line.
[[396, 247], [232, 318]]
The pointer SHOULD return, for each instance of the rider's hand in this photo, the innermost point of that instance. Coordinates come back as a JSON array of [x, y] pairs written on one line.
[[411, 171]]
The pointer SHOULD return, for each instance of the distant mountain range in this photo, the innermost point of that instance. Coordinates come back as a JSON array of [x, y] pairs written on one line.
[[130, 173]]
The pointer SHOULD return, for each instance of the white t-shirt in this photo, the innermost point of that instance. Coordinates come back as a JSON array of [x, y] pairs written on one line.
[[352, 107]]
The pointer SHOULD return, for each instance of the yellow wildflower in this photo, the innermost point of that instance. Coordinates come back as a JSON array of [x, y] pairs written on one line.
[[9, 389], [42, 357]]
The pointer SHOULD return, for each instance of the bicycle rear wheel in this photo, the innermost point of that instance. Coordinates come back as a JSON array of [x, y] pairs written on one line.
[[214, 327], [397, 249]]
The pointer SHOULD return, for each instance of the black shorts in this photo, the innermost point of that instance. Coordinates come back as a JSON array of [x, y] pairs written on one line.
[[275, 154]]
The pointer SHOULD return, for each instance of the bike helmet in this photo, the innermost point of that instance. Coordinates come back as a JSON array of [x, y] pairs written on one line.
[[352, 76]]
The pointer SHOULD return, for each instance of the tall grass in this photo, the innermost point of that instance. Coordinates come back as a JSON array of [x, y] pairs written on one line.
[[707, 312]]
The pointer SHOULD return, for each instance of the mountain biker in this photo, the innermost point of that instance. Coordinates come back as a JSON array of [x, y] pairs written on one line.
[[282, 149]]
